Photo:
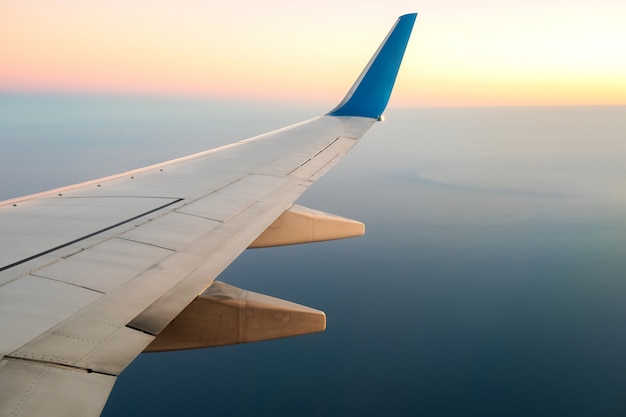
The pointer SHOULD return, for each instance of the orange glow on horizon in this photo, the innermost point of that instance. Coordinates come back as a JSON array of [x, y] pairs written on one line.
[[510, 56]]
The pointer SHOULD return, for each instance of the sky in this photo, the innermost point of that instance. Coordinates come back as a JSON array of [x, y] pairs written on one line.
[[481, 53]]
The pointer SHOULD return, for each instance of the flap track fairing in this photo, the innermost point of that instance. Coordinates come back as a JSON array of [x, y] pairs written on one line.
[[227, 315], [304, 225]]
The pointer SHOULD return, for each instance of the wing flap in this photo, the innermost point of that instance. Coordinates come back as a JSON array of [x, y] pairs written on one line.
[[31, 389], [107, 265], [172, 231], [34, 305], [78, 344]]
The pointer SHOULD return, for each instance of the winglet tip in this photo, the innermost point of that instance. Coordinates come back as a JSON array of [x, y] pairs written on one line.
[[370, 94]]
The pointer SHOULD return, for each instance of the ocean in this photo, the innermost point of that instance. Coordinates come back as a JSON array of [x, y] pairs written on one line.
[[491, 280]]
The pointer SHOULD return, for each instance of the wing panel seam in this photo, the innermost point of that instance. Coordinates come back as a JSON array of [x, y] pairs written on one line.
[[57, 365], [65, 282], [40, 254]]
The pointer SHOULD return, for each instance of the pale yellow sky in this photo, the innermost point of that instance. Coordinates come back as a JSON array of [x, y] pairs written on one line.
[[479, 53]]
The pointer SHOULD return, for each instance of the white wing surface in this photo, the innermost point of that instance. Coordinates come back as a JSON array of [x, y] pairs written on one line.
[[93, 274]]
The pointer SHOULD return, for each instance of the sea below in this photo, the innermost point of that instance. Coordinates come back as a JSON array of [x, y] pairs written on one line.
[[491, 280]]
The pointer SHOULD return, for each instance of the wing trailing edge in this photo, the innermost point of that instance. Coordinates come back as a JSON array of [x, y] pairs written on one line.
[[370, 94]]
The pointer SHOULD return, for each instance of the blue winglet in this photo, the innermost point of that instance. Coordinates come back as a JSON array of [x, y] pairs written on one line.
[[369, 95]]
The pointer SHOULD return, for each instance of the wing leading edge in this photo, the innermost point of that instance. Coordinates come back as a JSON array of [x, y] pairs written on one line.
[[92, 274]]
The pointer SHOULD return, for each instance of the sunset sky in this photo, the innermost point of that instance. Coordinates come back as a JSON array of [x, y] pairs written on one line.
[[484, 52]]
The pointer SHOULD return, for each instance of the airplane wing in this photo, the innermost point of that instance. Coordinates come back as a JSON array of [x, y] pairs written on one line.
[[93, 274]]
